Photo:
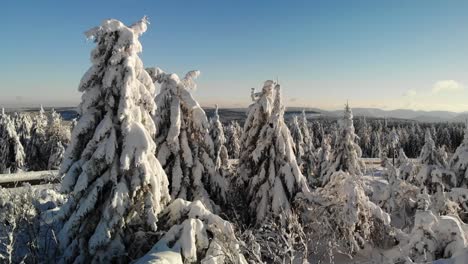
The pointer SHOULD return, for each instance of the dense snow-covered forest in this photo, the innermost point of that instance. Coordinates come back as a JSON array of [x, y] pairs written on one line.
[[144, 175]]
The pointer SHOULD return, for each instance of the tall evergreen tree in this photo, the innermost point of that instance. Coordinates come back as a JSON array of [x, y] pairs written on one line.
[[11, 151], [185, 147], [219, 140], [347, 154], [459, 161], [116, 185], [233, 134], [36, 154], [268, 164]]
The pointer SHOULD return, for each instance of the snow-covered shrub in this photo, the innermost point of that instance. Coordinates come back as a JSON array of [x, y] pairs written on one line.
[[460, 197], [24, 237], [281, 240], [185, 147], [195, 235], [12, 154], [340, 216], [399, 198], [268, 166], [116, 185], [406, 167], [434, 237], [347, 153]]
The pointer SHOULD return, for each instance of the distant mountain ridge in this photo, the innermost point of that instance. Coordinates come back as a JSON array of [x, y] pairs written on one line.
[[421, 116], [228, 114]]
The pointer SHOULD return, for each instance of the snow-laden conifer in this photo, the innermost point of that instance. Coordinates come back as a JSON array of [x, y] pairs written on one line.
[[268, 163], [58, 137], [217, 134], [433, 167], [36, 154], [23, 124], [11, 151], [116, 185], [310, 157], [233, 134], [195, 235], [347, 154], [185, 147], [459, 161]]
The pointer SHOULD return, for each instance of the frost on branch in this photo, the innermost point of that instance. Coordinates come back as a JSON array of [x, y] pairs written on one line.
[[185, 147], [268, 164], [195, 235], [347, 153], [116, 185], [12, 154]]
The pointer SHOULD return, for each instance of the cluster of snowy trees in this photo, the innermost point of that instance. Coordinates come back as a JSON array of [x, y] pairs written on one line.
[[32, 142], [375, 136], [148, 178]]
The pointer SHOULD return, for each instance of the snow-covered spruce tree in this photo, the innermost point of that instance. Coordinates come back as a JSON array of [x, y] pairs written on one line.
[[298, 139], [23, 124], [116, 185], [459, 161], [376, 146], [310, 157], [433, 167], [36, 155], [58, 137], [347, 154], [184, 145], [364, 134], [233, 134], [219, 140], [324, 154], [195, 235], [268, 164], [11, 151]]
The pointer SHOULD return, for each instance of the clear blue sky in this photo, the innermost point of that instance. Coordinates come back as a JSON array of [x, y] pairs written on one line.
[[387, 54]]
